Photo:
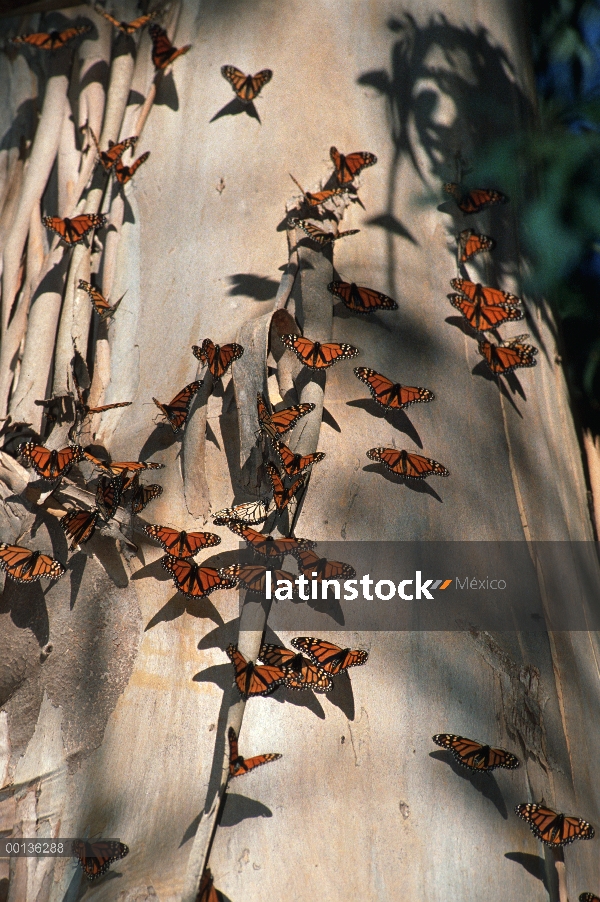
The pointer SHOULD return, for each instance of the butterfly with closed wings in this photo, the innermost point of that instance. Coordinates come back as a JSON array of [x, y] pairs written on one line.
[[238, 766], [317, 234], [99, 303], [163, 51]]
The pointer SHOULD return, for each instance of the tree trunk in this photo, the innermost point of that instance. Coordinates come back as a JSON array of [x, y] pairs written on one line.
[[116, 690]]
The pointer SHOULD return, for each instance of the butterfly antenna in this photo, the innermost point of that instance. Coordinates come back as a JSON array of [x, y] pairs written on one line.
[[114, 306], [296, 182]]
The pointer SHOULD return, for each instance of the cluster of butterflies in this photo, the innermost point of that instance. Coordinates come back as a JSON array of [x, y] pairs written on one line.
[[486, 308], [551, 827]]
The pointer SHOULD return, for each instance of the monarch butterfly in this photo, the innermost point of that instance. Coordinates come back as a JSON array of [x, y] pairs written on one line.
[[163, 51], [391, 395], [177, 411], [248, 512], [588, 897], [108, 495], [142, 495], [508, 356], [109, 158], [99, 302], [320, 568], [254, 679], [301, 673], [182, 544], [553, 828], [26, 566], [88, 411], [318, 235], [267, 545], [79, 526], [246, 87], [125, 173], [50, 464], [253, 576], [469, 243], [218, 358], [407, 464], [121, 467], [348, 167], [475, 755], [207, 891], [193, 580], [128, 27], [490, 296], [239, 766], [483, 317], [294, 464], [280, 422], [282, 495], [315, 200], [315, 355], [330, 658], [361, 300], [73, 231], [96, 857], [54, 40], [475, 200]]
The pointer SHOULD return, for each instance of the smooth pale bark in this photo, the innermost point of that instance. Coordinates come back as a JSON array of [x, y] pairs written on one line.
[[120, 730]]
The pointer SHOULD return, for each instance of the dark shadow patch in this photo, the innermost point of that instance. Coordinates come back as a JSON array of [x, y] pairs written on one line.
[[533, 864], [249, 285], [393, 225], [220, 637], [155, 570], [166, 92], [23, 125], [179, 604], [396, 418], [342, 695], [135, 98], [420, 486], [219, 674], [483, 371], [485, 783], [97, 73], [27, 607], [76, 566], [210, 435], [234, 108], [330, 420], [239, 808]]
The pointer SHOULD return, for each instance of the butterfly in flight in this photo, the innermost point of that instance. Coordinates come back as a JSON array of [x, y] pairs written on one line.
[[193, 580], [280, 422], [79, 526], [163, 51], [318, 198], [491, 296], [508, 355], [253, 576], [96, 857], [207, 891], [218, 358], [128, 27], [50, 464], [248, 512], [475, 755], [348, 167], [73, 231], [177, 411], [254, 679], [315, 355], [407, 464], [294, 464], [108, 495], [553, 828], [282, 495], [26, 566], [142, 495], [238, 766], [484, 317], [319, 235], [99, 302], [181, 544], [53, 40], [330, 658], [320, 568], [388, 394], [361, 300], [475, 200], [267, 545], [246, 87], [469, 243], [125, 173], [109, 158], [301, 673]]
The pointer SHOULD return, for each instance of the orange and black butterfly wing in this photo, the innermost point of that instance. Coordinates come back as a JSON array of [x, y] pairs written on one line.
[[99, 302], [53, 40], [294, 464], [207, 891], [181, 544], [475, 755], [219, 359], [246, 87], [470, 243], [315, 355], [50, 464], [108, 495], [73, 231], [110, 157], [239, 765], [406, 464], [329, 657], [26, 566], [282, 495], [265, 544], [282, 421], [321, 568], [163, 51], [503, 359], [475, 200], [361, 300], [553, 828], [315, 199], [254, 679], [391, 394], [79, 526], [301, 673], [125, 173], [485, 295], [348, 167], [96, 857], [177, 411], [484, 317], [143, 494], [195, 581]]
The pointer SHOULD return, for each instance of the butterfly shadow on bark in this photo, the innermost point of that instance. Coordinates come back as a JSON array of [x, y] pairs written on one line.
[[485, 783], [396, 418], [235, 107], [483, 371], [420, 486], [27, 606], [180, 604], [533, 864]]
